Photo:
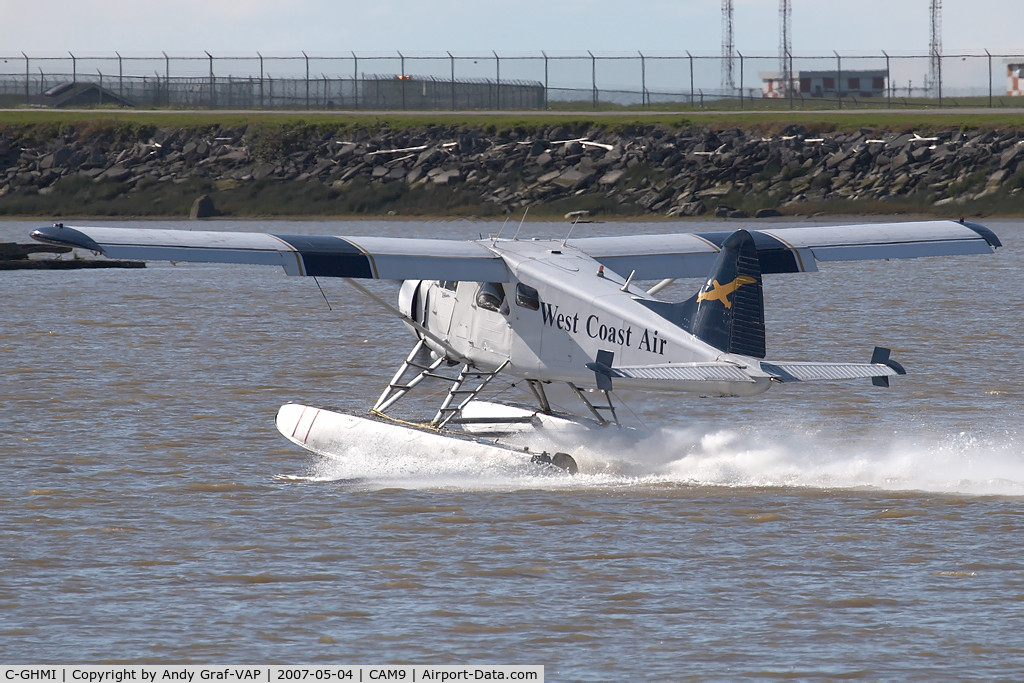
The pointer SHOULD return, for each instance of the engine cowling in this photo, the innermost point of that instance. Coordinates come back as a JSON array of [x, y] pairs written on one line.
[[410, 302]]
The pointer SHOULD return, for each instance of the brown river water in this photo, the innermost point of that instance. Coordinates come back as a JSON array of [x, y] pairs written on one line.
[[150, 511]]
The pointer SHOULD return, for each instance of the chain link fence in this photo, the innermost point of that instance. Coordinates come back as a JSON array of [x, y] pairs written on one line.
[[537, 81]]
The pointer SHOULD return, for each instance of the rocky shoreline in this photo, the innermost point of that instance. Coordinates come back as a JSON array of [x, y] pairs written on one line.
[[642, 170]]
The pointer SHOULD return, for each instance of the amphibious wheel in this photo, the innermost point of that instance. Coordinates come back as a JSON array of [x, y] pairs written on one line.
[[562, 461], [566, 462]]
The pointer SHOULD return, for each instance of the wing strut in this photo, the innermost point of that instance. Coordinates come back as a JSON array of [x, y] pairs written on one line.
[[449, 351]]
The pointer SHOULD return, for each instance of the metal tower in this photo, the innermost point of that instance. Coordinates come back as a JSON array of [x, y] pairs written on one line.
[[786, 43], [935, 48], [728, 48]]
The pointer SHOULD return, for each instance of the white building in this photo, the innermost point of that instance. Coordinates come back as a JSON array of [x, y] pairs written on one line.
[[825, 84]]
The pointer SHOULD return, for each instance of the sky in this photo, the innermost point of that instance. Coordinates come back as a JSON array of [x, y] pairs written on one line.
[[223, 27], [187, 29]]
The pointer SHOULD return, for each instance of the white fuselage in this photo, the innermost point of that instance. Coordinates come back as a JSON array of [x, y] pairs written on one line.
[[578, 309]]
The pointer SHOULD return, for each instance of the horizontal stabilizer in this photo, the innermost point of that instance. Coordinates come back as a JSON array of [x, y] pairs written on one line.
[[686, 372], [784, 371]]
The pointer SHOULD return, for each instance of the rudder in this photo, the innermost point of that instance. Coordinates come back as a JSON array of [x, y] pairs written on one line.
[[728, 311]]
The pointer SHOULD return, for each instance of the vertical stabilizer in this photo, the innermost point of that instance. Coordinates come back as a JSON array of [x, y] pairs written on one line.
[[728, 311]]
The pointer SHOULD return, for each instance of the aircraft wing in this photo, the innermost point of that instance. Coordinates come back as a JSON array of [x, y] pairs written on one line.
[[383, 258], [787, 250], [781, 250]]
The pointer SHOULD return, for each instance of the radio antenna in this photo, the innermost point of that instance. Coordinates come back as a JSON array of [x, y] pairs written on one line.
[[521, 223], [571, 228], [495, 238]]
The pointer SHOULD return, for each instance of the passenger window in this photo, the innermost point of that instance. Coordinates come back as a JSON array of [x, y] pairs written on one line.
[[527, 297], [450, 285], [490, 296]]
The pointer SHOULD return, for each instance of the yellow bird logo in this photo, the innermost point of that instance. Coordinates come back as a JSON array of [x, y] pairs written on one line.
[[722, 292]]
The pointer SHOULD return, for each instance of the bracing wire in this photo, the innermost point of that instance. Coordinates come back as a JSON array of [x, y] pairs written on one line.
[[322, 293]]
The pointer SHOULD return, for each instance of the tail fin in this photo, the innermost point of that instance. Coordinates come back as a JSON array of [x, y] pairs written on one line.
[[728, 311]]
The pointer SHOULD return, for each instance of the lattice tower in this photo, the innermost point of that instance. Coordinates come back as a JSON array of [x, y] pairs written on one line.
[[935, 47], [786, 42], [728, 48]]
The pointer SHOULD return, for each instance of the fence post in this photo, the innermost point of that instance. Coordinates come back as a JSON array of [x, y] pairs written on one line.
[[839, 78], [305, 57], [28, 75], [213, 99], [691, 79], [452, 60], [120, 76], [545, 79], [790, 77], [888, 82], [355, 80], [403, 77], [989, 77], [741, 77], [497, 70], [593, 77], [261, 79], [643, 80], [167, 77], [938, 61], [74, 68]]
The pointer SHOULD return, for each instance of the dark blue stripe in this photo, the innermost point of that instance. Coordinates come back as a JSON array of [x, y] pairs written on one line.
[[773, 255], [989, 236], [330, 256]]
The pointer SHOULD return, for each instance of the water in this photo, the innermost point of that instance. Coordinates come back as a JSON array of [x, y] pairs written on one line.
[[152, 513]]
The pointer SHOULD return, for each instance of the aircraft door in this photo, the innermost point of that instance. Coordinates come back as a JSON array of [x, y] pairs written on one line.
[[490, 322], [441, 306], [542, 337]]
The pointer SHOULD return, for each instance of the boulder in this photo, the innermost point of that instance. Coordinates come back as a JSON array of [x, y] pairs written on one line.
[[611, 177], [767, 213], [202, 207], [263, 170], [1008, 158], [116, 172]]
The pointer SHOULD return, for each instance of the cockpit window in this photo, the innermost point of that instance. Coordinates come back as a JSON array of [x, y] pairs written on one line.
[[490, 296], [527, 297]]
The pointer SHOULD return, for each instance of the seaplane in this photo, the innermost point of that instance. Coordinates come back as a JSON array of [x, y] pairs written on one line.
[[554, 311]]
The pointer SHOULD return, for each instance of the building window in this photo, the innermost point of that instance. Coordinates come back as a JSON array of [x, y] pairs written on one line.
[[878, 83], [854, 84], [805, 85], [830, 83]]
